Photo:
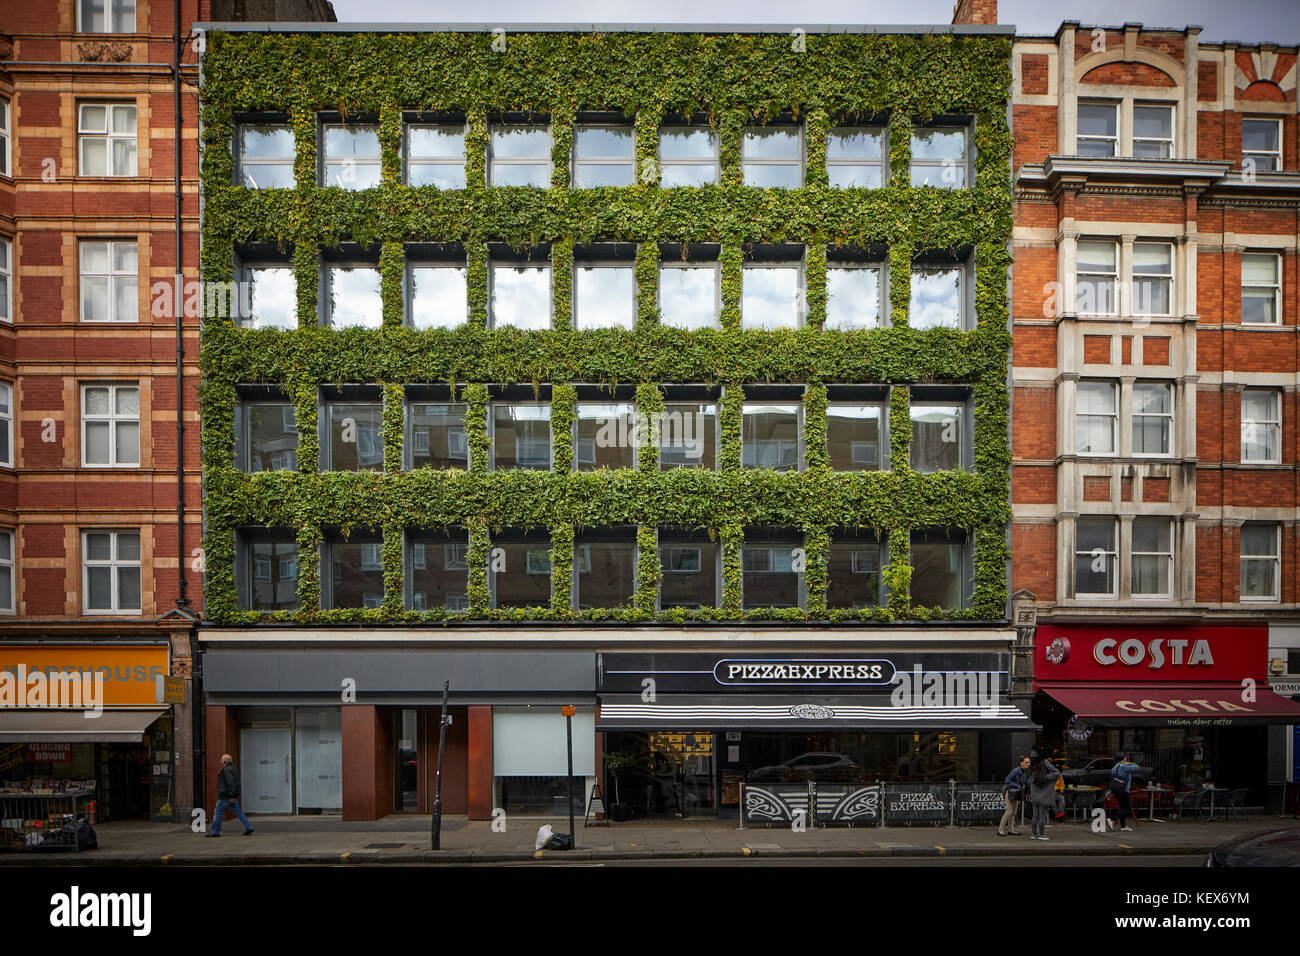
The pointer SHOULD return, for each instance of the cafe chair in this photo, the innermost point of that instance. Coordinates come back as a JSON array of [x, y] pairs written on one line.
[[1190, 799], [1234, 803]]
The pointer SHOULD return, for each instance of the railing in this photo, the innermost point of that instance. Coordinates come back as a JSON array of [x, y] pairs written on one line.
[[47, 822], [877, 804]]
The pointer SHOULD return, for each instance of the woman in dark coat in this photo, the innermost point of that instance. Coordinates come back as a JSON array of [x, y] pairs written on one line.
[[1042, 797]]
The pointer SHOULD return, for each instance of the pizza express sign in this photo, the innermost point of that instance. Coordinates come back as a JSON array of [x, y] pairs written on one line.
[[1150, 653], [759, 672]]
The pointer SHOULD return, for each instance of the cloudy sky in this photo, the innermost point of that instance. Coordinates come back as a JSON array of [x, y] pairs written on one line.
[[1245, 20]]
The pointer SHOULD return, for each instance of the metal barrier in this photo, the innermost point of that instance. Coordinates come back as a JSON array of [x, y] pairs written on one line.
[[877, 804], [41, 822]]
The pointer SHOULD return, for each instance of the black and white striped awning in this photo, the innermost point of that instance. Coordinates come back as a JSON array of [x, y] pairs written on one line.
[[798, 712]]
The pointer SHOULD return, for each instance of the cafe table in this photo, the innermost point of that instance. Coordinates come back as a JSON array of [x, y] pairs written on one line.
[[1155, 793], [1213, 791], [1077, 791]]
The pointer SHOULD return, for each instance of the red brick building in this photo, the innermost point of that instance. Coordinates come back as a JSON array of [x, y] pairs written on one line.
[[1154, 309]]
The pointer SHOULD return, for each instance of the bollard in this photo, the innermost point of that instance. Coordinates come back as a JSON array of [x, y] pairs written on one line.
[[884, 806], [952, 803], [742, 807]]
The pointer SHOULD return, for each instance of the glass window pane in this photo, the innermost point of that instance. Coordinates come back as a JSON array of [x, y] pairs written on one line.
[[525, 579], [99, 546], [1258, 578], [1153, 122], [590, 176], [438, 436], [127, 445], [351, 143], [936, 299], [768, 578], [128, 547], [355, 298], [774, 143], [1152, 258], [688, 297], [521, 296], [853, 437], [357, 576], [439, 297], [1095, 535], [854, 177], [770, 298], [438, 570], [849, 143], [603, 142], [937, 574], [94, 157], [272, 435], [852, 298], [762, 176], [938, 144], [273, 298], [1095, 398], [266, 142], [1257, 269], [94, 299], [687, 436], [123, 157], [442, 175], [521, 436], [853, 571], [1096, 256], [1097, 119], [99, 584], [689, 565], [356, 438], [124, 257], [123, 119], [686, 143], [508, 174], [94, 258], [606, 571], [125, 299], [770, 437], [443, 142], [1259, 539], [605, 436], [127, 401], [521, 142], [352, 175], [97, 443], [688, 175], [94, 119], [97, 400], [1259, 135], [1151, 535], [605, 298], [937, 437]]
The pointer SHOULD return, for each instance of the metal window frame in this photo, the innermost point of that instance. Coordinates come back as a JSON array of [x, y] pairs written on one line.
[[6, 136], [408, 289], [801, 287], [965, 439], [578, 405], [492, 406], [324, 126], [882, 163], [242, 163], [716, 268], [1133, 553], [881, 268], [625, 265], [1275, 558], [7, 271], [800, 434], [1172, 140], [715, 160], [575, 161], [1276, 287], [882, 423], [110, 275], [243, 436], [800, 162], [965, 291], [518, 265], [7, 422], [328, 267], [1134, 415], [114, 563], [1112, 554], [432, 160], [107, 134], [11, 563], [1273, 424], [112, 419], [1114, 418], [492, 161], [965, 163]]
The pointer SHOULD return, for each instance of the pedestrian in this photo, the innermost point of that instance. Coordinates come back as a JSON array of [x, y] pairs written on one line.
[[1042, 796], [228, 797], [1121, 781], [1014, 791]]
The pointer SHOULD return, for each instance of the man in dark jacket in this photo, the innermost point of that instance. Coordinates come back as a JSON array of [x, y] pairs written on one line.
[[1014, 789], [228, 797]]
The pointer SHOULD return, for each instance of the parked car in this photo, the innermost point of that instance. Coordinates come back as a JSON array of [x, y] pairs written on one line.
[[829, 767], [1265, 848], [1096, 773]]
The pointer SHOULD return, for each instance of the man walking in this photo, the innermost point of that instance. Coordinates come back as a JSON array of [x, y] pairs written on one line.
[[1014, 789], [228, 797]]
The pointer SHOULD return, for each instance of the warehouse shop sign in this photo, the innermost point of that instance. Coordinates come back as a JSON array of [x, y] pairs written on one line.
[[738, 672]]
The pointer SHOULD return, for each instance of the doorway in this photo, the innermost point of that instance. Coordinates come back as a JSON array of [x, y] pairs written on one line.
[[406, 769], [265, 753]]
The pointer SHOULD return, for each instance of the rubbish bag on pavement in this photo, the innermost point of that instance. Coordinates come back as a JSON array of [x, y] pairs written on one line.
[[544, 833]]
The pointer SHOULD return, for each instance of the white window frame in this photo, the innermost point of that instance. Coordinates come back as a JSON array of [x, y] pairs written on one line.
[[1096, 278], [10, 563], [546, 157], [1276, 287], [7, 422], [113, 562], [1113, 416], [113, 419], [1112, 554], [578, 161], [7, 271], [245, 164], [108, 136], [1169, 142], [717, 290], [799, 163], [702, 160], [409, 158], [110, 276], [1274, 425], [368, 162], [1276, 154], [111, 17], [1167, 278], [1113, 140], [964, 163], [1169, 416], [1275, 559], [1167, 556], [862, 163], [6, 155]]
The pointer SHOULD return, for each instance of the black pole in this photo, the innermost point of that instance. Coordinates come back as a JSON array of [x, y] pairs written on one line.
[[568, 730], [437, 780]]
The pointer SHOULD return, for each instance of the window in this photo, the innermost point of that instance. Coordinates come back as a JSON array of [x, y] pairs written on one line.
[[1153, 418], [605, 436], [942, 568], [1095, 417], [938, 436], [436, 436], [266, 155], [1261, 288], [688, 561], [437, 574], [604, 293], [939, 157], [519, 568], [268, 436], [520, 155], [1096, 277], [437, 294], [604, 568], [1261, 561], [855, 158], [108, 282], [352, 156], [521, 295], [8, 597], [351, 295], [6, 425], [1094, 558], [603, 156], [853, 569], [269, 297], [770, 436], [352, 573], [110, 425], [1153, 557], [106, 139], [6, 281], [688, 156], [688, 436], [853, 437], [1097, 129], [937, 297], [267, 577], [105, 16], [352, 438], [772, 156], [1153, 278], [1153, 131], [854, 296], [5, 157], [772, 563], [435, 155], [1261, 425], [111, 571], [688, 296], [521, 436], [771, 296], [1261, 144]]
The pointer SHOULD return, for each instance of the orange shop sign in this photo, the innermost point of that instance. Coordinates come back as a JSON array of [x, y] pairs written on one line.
[[129, 672]]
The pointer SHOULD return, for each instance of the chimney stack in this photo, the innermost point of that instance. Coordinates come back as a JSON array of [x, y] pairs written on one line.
[[975, 11]]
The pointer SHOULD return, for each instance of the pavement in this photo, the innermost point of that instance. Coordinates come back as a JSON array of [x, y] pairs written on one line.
[[405, 839]]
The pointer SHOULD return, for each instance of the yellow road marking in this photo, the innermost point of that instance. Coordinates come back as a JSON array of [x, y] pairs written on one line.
[[344, 857], [745, 850], [942, 851], [167, 856], [537, 854]]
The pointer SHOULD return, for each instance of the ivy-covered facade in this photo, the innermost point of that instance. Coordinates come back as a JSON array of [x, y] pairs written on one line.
[[900, 83]]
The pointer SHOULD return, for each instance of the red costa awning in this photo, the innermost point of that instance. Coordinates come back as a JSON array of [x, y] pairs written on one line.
[[1176, 705]]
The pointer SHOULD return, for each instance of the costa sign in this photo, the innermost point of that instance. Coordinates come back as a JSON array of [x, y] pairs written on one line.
[[1156, 653], [1068, 652]]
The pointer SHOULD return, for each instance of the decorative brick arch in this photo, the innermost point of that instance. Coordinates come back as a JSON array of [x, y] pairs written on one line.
[[1128, 73], [1143, 56], [1263, 90]]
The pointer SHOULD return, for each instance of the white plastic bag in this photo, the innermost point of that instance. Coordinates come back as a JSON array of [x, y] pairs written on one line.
[[543, 836]]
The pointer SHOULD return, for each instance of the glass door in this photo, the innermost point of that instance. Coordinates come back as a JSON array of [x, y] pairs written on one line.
[[265, 774], [406, 770]]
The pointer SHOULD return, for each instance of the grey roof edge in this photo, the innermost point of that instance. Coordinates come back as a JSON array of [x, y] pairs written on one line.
[[487, 27]]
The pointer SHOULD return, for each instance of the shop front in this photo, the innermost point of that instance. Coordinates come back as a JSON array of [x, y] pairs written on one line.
[[682, 731], [1192, 703], [81, 722]]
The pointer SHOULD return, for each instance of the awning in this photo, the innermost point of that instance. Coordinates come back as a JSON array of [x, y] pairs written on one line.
[[790, 712], [74, 727], [1176, 705]]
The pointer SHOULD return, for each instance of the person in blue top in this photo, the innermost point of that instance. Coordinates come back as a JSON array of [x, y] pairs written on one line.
[[1121, 782], [1013, 788]]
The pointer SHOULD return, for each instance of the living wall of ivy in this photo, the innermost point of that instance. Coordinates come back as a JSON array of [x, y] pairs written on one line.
[[897, 80]]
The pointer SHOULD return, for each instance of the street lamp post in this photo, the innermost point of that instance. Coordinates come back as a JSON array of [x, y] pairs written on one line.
[[437, 782]]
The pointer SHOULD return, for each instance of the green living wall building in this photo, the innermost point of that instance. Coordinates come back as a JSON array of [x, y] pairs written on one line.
[[658, 372]]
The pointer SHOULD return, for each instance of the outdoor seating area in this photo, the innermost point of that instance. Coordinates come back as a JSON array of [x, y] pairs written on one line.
[[1161, 803]]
